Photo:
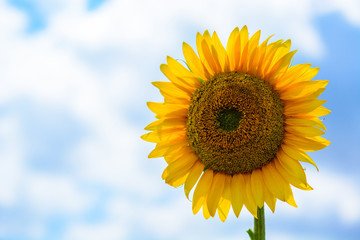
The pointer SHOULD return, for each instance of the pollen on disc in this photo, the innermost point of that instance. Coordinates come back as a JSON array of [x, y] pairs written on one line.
[[235, 123]]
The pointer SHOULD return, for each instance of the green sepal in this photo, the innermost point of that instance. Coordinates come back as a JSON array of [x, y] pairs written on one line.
[[251, 234]]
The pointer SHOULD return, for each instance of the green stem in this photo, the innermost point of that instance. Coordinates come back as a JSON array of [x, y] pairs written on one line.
[[259, 226]]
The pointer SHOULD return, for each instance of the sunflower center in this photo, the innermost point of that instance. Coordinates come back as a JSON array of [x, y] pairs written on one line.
[[235, 123], [229, 119]]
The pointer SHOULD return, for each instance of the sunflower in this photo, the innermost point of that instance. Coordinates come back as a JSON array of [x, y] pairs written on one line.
[[236, 122]]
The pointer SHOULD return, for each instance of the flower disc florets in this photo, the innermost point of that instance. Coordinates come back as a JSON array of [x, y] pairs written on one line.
[[235, 123]]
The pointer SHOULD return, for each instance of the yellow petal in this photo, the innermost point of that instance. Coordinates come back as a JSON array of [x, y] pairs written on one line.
[[173, 99], [282, 186], [179, 70], [166, 123], [305, 76], [163, 147], [164, 134], [291, 170], [318, 112], [307, 144], [193, 177], [215, 192], [203, 58], [248, 197], [181, 113], [308, 75], [284, 49], [302, 107], [178, 179], [298, 155], [168, 110], [157, 152], [216, 57], [311, 97], [222, 55], [237, 53], [225, 200], [167, 148], [304, 131], [186, 161], [165, 174], [207, 37], [176, 80], [289, 196], [249, 51], [273, 181], [257, 187], [292, 173], [186, 76], [212, 50], [209, 58], [206, 212], [201, 190], [305, 122], [269, 198], [149, 137], [269, 55], [177, 153], [152, 126], [171, 93], [223, 209], [256, 64], [230, 48], [302, 89], [243, 44], [279, 68], [291, 76], [194, 62], [237, 193], [244, 37]]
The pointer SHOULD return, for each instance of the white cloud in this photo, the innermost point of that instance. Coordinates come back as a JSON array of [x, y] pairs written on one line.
[[350, 9], [11, 165], [49, 194], [11, 21], [115, 161], [168, 219], [333, 193], [105, 230], [141, 26], [291, 236]]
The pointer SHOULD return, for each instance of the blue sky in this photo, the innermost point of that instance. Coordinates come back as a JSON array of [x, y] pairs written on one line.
[[75, 76]]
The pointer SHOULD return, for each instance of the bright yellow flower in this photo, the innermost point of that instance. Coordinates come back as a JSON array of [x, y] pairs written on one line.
[[236, 123]]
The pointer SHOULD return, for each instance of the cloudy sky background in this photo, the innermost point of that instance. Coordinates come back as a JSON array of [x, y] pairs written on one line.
[[74, 79]]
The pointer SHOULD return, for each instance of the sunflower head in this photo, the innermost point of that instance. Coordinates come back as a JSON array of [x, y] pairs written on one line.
[[236, 121]]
